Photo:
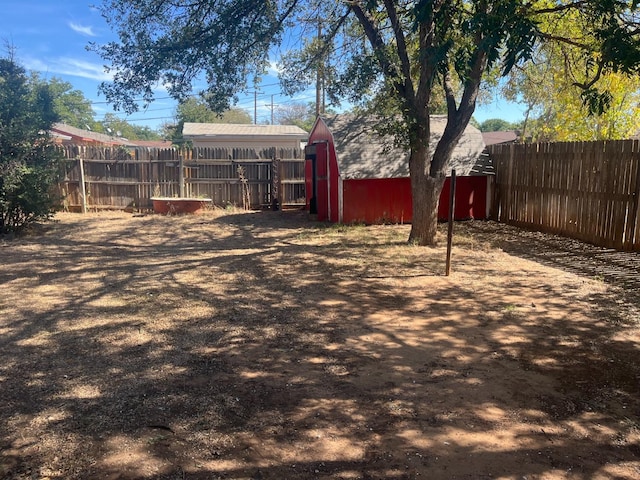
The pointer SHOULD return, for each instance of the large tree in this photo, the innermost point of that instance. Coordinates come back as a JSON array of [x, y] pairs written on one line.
[[28, 159], [550, 86], [403, 47], [70, 104], [556, 113], [297, 113], [496, 125]]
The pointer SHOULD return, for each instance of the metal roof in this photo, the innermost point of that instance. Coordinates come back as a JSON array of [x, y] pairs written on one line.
[[241, 130], [362, 153], [88, 135], [493, 138]]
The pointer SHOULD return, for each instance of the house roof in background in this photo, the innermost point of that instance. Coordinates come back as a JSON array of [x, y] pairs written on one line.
[[494, 138], [362, 153], [79, 135], [241, 130], [61, 137], [67, 134]]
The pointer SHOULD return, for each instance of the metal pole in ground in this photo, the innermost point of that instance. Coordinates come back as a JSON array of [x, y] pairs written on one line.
[[452, 204], [83, 186]]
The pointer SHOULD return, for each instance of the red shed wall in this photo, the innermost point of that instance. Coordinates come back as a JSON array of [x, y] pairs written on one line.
[[377, 200], [327, 174], [320, 133], [389, 200], [471, 198]]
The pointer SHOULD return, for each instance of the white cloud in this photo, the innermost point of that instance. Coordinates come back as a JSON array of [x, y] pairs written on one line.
[[81, 68], [69, 66], [273, 69], [88, 31]]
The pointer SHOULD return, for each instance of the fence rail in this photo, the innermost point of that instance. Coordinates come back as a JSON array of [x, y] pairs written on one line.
[[118, 178], [584, 190]]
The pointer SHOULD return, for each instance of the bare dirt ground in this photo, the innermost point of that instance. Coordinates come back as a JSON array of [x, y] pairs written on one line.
[[266, 346]]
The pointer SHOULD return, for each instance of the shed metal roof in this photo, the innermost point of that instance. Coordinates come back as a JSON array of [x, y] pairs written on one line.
[[88, 135], [493, 138], [362, 153], [241, 130]]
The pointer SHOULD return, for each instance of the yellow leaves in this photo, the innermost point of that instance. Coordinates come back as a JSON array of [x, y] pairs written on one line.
[[566, 119]]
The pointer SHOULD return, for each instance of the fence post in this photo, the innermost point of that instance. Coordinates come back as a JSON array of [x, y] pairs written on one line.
[[634, 214], [509, 198], [493, 187], [83, 188], [181, 175], [276, 183]]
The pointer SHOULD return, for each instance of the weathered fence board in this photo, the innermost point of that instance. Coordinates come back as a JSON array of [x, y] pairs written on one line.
[[128, 178], [584, 190]]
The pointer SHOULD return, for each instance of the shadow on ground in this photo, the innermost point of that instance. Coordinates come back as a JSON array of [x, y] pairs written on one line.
[[264, 345]]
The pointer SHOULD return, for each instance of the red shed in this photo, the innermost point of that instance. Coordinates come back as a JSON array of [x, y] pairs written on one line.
[[354, 175]]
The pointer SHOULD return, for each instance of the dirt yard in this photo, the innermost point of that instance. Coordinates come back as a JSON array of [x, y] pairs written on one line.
[[266, 346]]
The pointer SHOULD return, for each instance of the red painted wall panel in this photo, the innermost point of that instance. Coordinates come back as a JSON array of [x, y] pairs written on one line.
[[322, 182], [471, 198], [389, 200], [377, 200], [334, 185]]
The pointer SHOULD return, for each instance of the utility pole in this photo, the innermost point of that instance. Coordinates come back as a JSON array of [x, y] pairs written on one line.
[[272, 106], [319, 82], [255, 107]]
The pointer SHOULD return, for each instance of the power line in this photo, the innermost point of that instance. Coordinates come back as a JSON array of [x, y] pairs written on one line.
[[135, 100], [131, 120], [244, 103]]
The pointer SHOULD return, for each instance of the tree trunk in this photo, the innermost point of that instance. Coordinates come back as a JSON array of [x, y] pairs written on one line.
[[425, 191]]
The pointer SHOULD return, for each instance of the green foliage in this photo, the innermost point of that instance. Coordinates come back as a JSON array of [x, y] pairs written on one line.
[[28, 160], [112, 125], [172, 43], [496, 125], [70, 104], [73, 108], [580, 86], [194, 110], [596, 102], [562, 116], [198, 111]]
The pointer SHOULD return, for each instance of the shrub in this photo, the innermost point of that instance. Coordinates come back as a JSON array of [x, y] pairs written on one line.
[[28, 159]]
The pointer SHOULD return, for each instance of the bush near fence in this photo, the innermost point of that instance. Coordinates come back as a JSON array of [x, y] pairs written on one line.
[[120, 178], [583, 190]]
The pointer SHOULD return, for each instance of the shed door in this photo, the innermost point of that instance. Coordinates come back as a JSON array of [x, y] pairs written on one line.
[[322, 182], [310, 178]]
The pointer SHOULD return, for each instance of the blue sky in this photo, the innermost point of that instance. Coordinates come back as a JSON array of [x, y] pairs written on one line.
[[50, 37]]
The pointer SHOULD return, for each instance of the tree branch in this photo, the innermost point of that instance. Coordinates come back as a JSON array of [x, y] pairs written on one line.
[[593, 81], [559, 8], [565, 40], [401, 46], [374, 36]]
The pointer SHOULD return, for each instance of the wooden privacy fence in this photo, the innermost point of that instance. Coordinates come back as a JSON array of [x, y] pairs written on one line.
[[584, 190], [119, 178]]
